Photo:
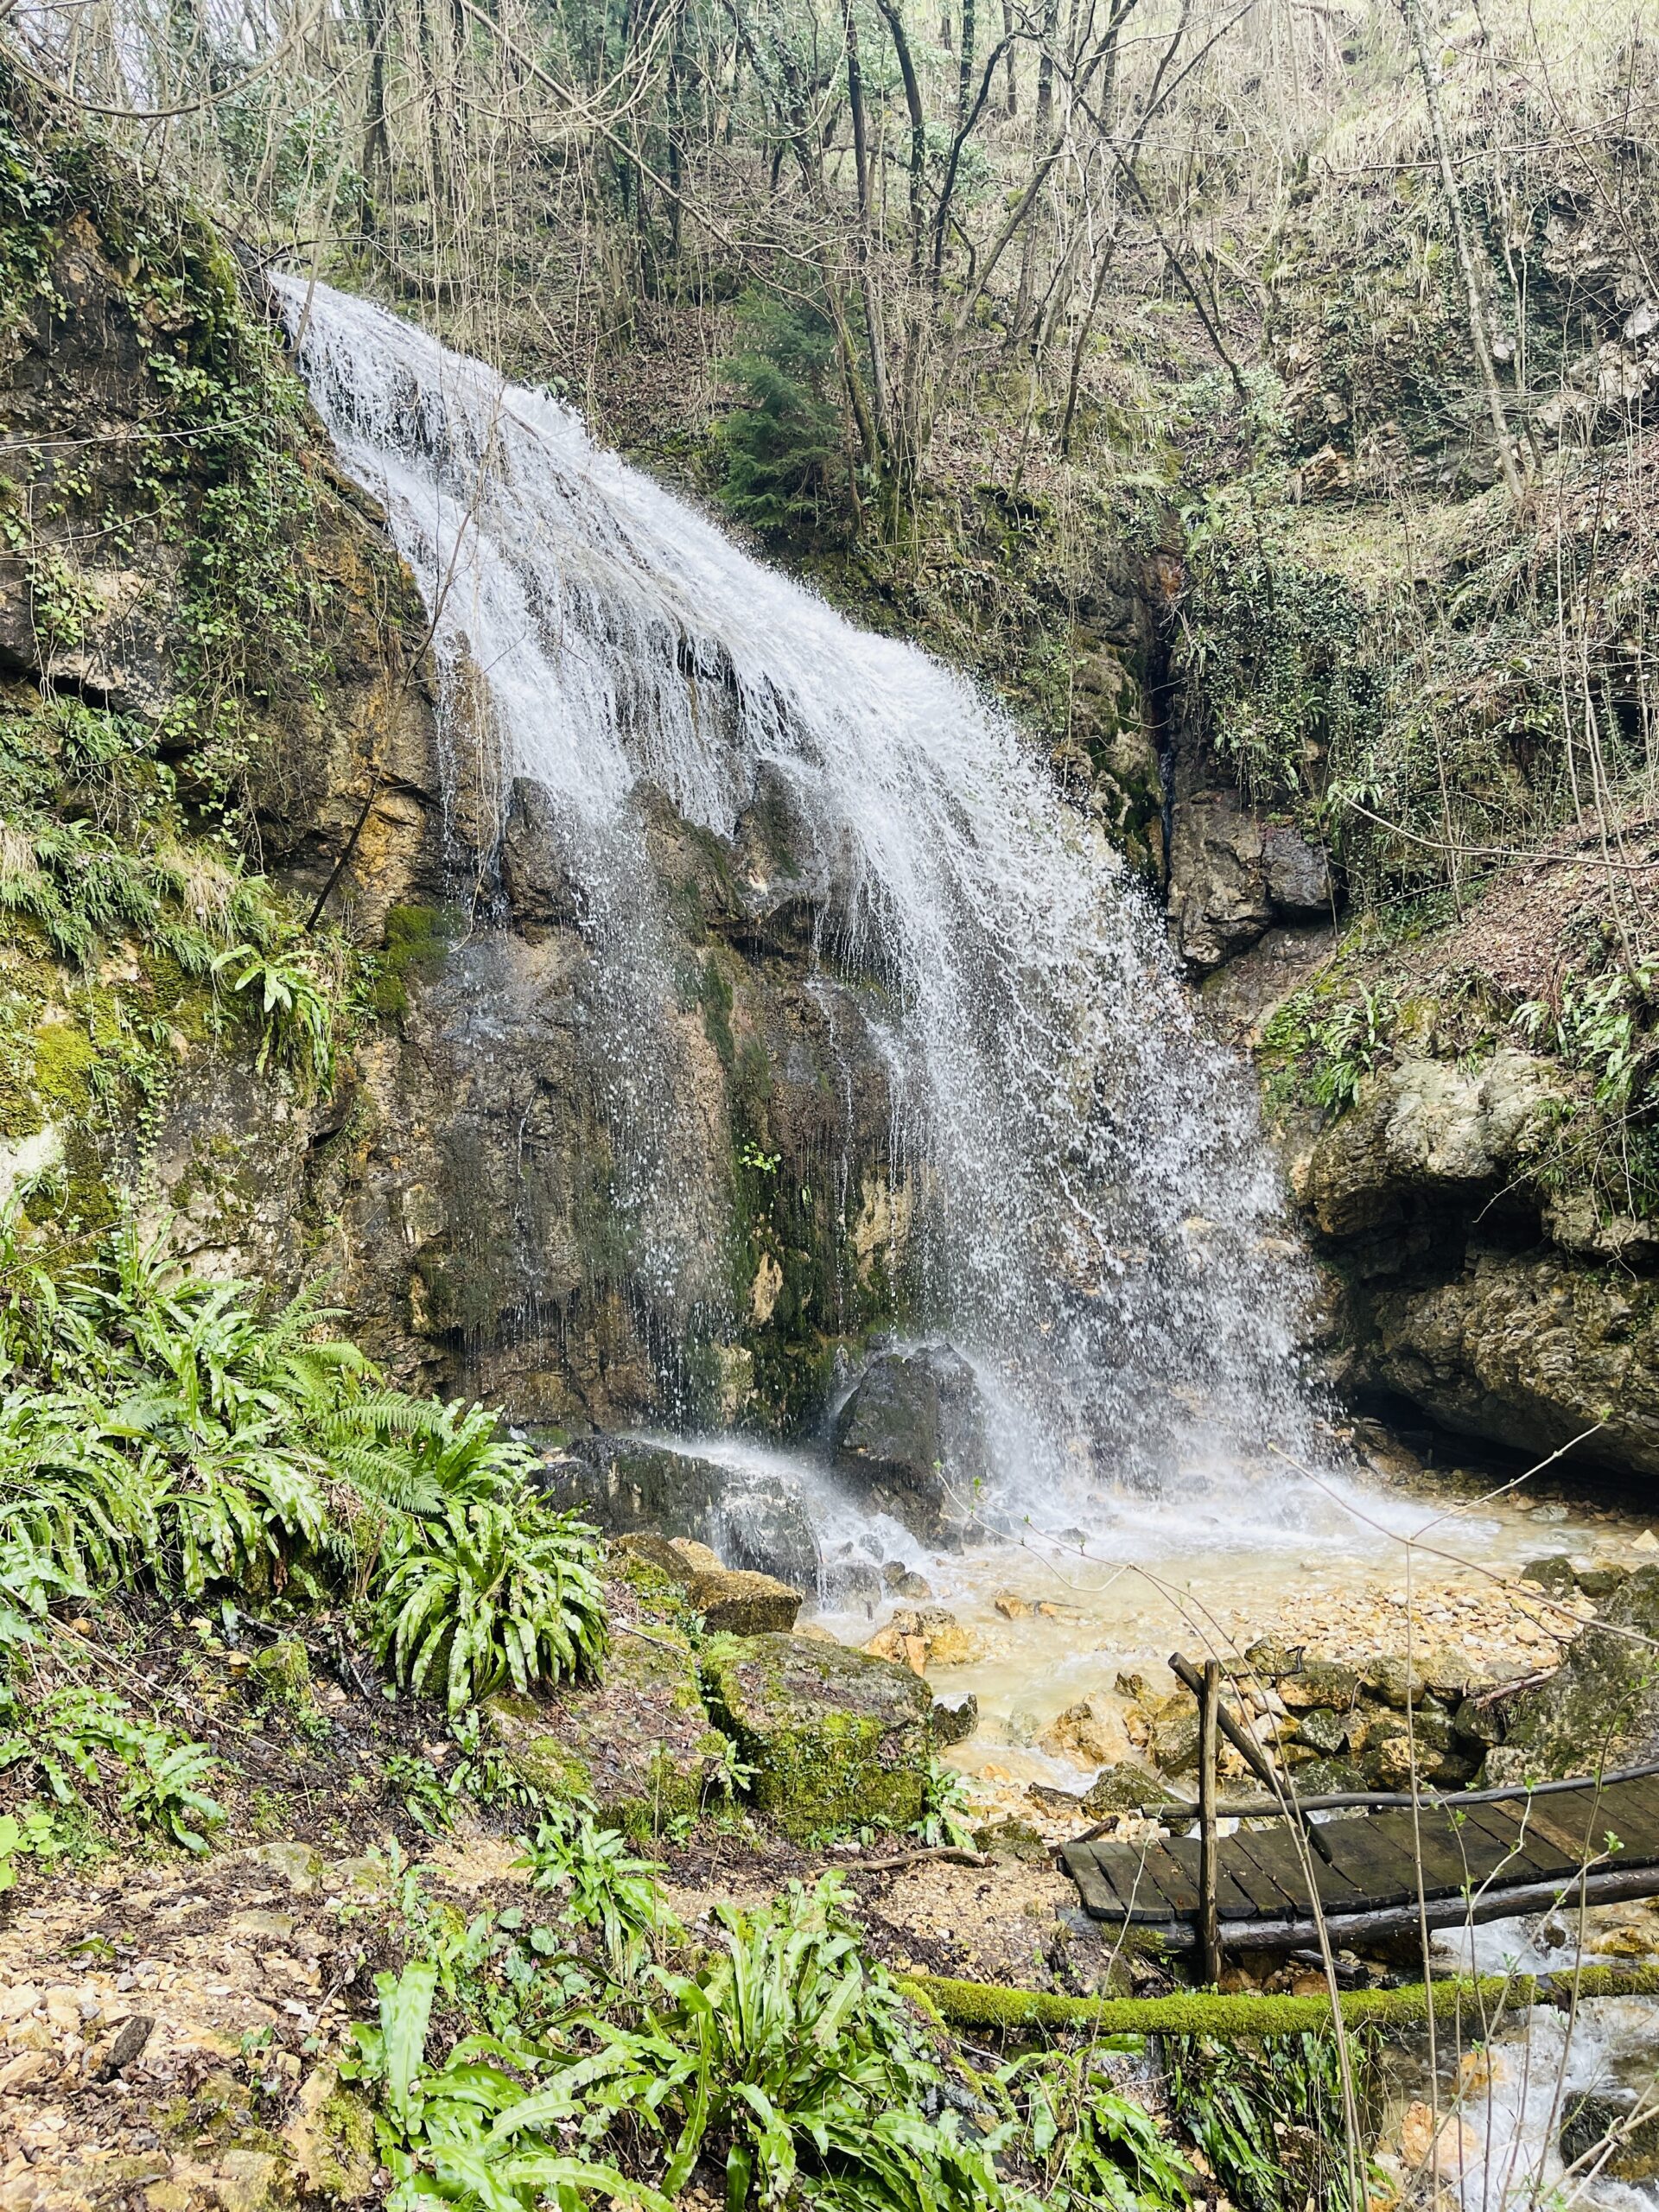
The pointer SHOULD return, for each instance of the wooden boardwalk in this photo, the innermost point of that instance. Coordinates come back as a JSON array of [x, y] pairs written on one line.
[[1485, 1855]]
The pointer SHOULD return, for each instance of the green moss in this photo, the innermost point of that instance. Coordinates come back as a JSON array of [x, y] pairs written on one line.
[[417, 941], [985, 2005], [64, 1058], [282, 1671], [714, 994], [221, 2109], [836, 1739]]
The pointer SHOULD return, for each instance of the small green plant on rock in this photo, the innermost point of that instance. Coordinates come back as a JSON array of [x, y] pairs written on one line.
[[1327, 1052]]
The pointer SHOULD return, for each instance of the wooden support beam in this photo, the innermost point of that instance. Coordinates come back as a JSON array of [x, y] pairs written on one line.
[[1209, 1751]]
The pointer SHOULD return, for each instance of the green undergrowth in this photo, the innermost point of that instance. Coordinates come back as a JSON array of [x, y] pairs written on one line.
[[610, 2054], [167, 1435]]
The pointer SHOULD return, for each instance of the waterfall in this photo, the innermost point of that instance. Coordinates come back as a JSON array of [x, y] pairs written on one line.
[[1101, 1208]]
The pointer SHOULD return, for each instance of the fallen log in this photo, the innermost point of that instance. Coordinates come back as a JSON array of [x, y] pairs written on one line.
[[980, 2005]]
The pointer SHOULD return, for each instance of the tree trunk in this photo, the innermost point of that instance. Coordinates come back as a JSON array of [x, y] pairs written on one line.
[[1474, 290]]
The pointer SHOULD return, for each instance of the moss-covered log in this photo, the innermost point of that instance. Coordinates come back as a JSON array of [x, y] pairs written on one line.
[[982, 2006]]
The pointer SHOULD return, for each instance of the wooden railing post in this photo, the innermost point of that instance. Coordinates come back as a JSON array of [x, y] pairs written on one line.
[[1209, 1751]]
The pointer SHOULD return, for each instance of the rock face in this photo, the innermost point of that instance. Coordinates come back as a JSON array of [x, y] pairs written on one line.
[[1455, 1292], [1599, 1710], [911, 1439], [836, 1739], [1232, 876]]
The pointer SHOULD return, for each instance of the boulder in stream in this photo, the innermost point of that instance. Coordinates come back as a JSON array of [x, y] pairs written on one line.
[[911, 1440]]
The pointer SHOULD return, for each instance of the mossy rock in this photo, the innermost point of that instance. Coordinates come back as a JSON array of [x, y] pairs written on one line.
[[1323, 1732], [282, 1671], [640, 1746], [1124, 1788], [1600, 1707], [837, 1739], [1329, 1778], [330, 2135]]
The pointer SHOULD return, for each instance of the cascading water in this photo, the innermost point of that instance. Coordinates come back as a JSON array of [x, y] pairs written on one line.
[[1097, 1193]]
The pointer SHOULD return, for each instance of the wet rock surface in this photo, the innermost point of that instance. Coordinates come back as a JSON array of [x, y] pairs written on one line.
[[910, 1439], [627, 1485]]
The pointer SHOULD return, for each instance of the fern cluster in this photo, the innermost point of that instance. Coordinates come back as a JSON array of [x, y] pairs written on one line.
[[160, 1428], [775, 2062]]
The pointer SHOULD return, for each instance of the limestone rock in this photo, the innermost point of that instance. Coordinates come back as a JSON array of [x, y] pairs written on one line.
[[330, 2135], [1531, 1350], [1218, 898], [1556, 1574], [1324, 1732], [1426, 1125], [641, 1746], [628, 1483], [911, 1439], [1397, 1681], [1174, 1743], [836, 1737], [732, 1600], [1122, 1787], [1600, 1707], [1090, 1733], [1013, 1839], [1232, 874], [1329, 1778], [1319, 1682]]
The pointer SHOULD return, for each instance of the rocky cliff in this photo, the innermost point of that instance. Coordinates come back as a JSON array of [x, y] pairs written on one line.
[[321, 997], [1461, 1111]]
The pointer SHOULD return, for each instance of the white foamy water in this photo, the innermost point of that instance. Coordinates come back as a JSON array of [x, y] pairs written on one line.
[[1095, 1191]]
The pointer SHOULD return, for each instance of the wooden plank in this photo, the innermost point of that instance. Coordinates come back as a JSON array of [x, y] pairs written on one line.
[[1514, 1845], [1370, 1863], [1117, 1869], [1528, 1857], [1232, 1901], [1567, 1830], [1453, 1851], [1177, 1884], [1162, 1879], [1631, 1810], [1099, 1898], [1275, 1855], [1267, 1894], [1140, 1896]]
